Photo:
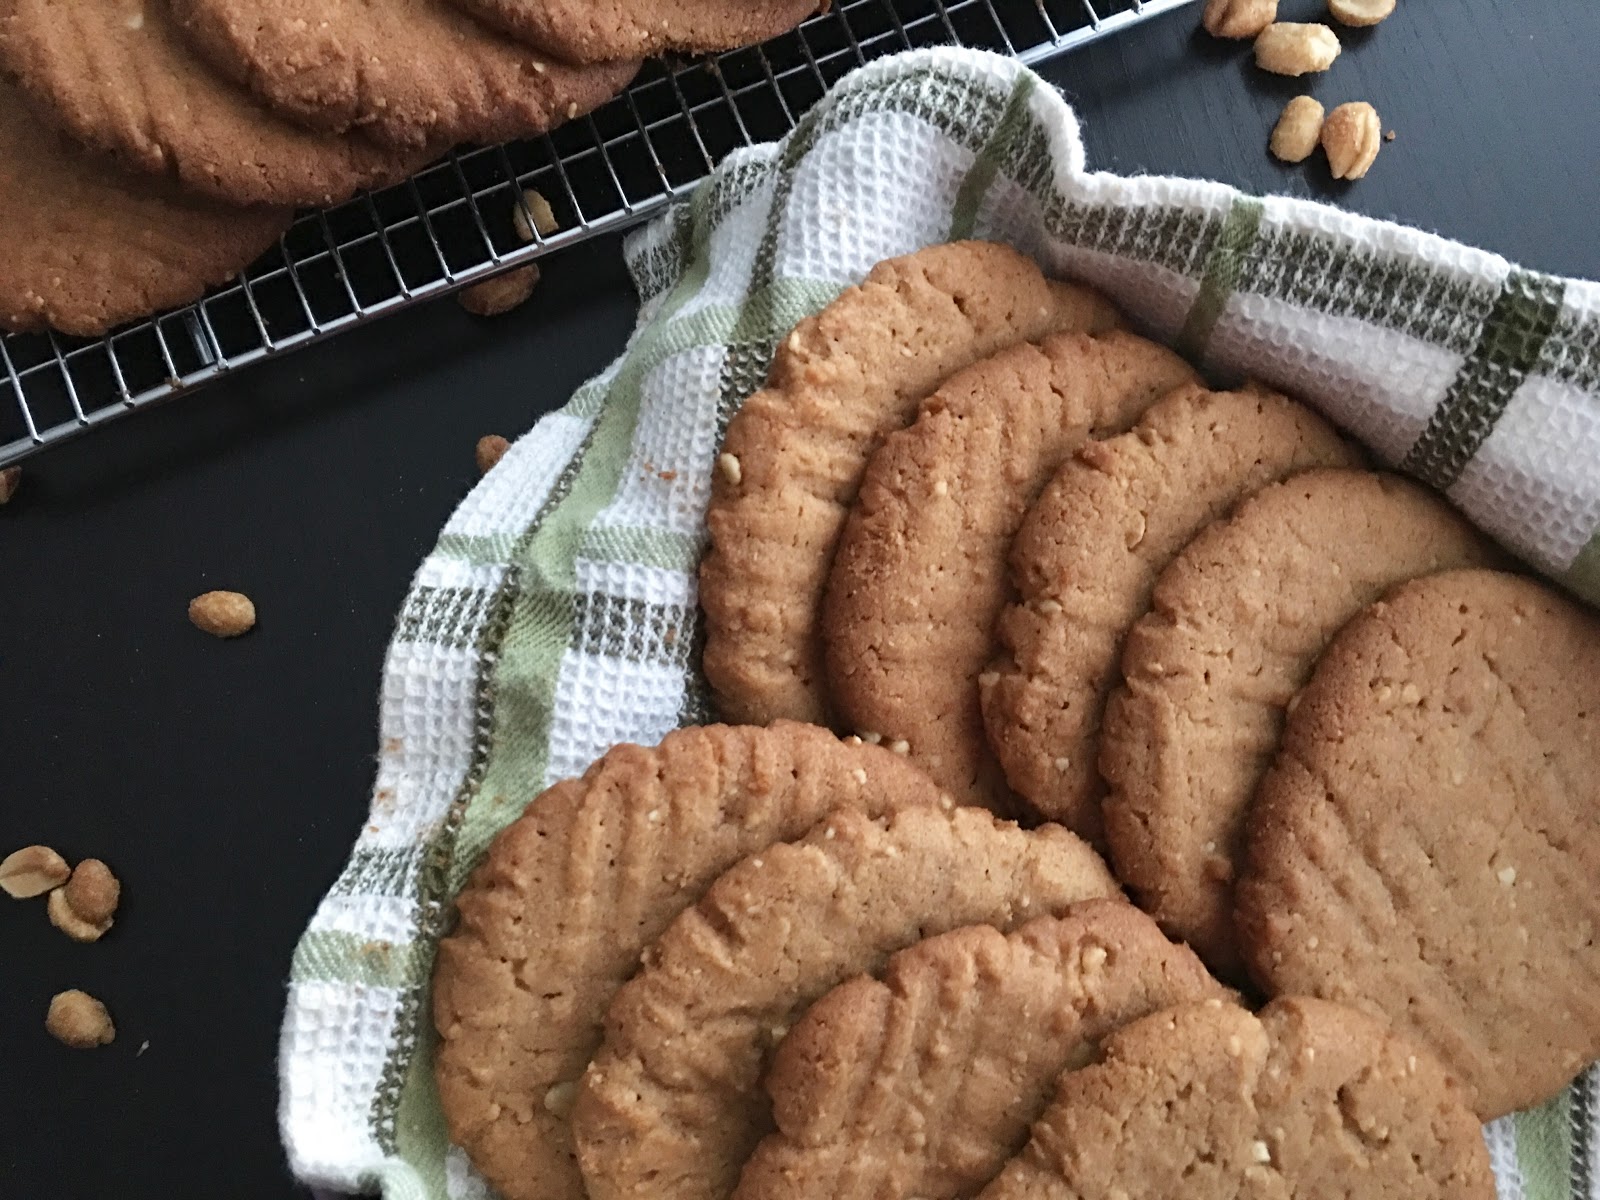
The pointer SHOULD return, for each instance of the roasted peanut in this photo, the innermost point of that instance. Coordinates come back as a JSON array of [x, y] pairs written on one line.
[[500, 294], [1295, 135], [1351, 137], [223, 614], [1288, 48], [1360, 12], [1238, 18], [78, 1020]]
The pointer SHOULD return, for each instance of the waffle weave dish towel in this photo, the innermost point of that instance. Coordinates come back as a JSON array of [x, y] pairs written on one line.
[[557, 614]]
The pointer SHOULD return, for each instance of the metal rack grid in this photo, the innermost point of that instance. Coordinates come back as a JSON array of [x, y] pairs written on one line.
[[454, 222]]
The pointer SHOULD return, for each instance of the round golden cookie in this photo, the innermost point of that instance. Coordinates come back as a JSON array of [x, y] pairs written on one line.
[[924, 1085], [583, 31], [919, 577], [1427, 845], [795, 451], [671, 1106], [119, 77], [1087, 556], [1307, 1101], [410, 73], [570, 893], [88, 248], [1236, 624]]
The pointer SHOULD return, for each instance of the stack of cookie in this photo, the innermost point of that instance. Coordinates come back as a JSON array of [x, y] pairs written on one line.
[[152, 148], [766, 962], [1072, 583], [1060, 599]]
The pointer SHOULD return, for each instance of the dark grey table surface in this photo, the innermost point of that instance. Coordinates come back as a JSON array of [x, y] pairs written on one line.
[[225, 782]]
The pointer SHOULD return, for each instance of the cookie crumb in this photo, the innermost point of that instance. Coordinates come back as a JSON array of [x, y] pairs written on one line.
[[559, 1099]]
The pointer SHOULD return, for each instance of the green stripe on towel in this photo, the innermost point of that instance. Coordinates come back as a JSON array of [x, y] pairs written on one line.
[[1512, 338], [1223, 264]]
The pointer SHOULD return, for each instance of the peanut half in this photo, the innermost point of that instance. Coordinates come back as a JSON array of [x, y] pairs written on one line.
[[535, 205], [489, 451], [1238, 18], [78, 1020], [32, 871], [83, 909], [1288, 48], [1351, 137], [500, 294], [1360, 12], [1296, 133], [223, 614]]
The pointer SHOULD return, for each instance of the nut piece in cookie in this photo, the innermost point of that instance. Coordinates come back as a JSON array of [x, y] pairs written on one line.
[[78, 1020], [32, 871], [1287, 48], [223, 614]]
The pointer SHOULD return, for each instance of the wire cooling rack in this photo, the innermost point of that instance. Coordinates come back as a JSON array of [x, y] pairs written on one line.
[[457, 221]]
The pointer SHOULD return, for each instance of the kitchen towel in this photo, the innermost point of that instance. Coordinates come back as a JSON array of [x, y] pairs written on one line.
[[557, 614]]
